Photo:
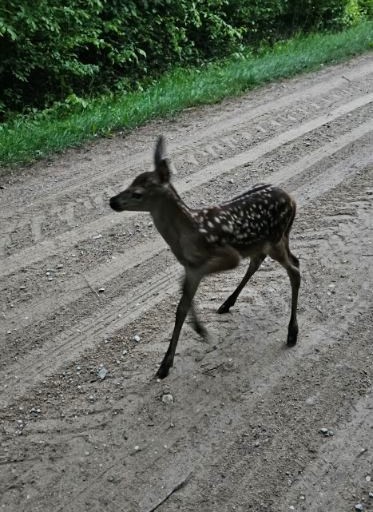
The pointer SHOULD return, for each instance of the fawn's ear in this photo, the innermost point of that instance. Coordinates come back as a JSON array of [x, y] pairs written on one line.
[[161, 162]]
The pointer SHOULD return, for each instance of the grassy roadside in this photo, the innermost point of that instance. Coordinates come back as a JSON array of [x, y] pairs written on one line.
[[26, 139]]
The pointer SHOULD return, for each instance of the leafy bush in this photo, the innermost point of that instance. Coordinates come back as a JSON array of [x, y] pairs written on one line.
[[42, 49], [52, 50]]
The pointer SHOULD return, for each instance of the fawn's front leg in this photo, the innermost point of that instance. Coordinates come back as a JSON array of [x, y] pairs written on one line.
[[220, 258], [190, 285], [197, 324]]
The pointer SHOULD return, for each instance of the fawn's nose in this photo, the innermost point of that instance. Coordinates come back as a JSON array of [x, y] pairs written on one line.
[[114, 203]]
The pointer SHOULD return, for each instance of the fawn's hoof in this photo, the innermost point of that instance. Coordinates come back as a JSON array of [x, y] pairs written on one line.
[[202, 331], [292, 338], [224, 308], [162, 372]]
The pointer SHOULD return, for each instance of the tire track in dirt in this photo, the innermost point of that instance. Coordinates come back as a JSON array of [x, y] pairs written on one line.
[[147, 251], [331, 481], [256, 465], [62, 242], [341, 84]]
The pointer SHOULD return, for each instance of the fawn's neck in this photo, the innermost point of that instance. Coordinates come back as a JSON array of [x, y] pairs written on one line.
[[175, 223]]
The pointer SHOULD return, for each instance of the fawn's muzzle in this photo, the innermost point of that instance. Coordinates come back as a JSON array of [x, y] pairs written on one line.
[[115, 204]]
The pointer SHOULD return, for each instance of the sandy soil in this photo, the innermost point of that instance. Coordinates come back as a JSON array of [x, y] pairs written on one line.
[[237, 424]]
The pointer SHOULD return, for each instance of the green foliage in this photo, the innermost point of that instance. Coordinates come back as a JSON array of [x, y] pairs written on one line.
[[53, 51], [366, 8], [42, 49], [353, 13]]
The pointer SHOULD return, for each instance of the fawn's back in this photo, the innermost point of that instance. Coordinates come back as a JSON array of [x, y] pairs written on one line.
[[260, 215]]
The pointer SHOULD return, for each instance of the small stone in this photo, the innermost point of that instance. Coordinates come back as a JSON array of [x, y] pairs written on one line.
[[136, 338], [101, 290], [102, 373], [96, 237], [326, 432], [368, 478], [59, 266], [91, 398], [371, 495], [167, 398], [137, 448], [359, 506]]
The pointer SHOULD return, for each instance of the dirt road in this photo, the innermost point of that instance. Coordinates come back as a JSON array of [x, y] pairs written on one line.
[[237, 424]]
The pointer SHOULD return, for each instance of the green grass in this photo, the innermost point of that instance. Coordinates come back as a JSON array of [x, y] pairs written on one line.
[[28, 138]]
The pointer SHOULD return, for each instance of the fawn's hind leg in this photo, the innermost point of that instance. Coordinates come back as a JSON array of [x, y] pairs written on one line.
[[282, 254], [294, 259], [255, 263]]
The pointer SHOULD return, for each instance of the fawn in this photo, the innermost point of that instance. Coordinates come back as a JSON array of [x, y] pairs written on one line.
[[254, 224]]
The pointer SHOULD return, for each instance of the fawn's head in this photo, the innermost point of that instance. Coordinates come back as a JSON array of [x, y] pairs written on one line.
[[148, 187]]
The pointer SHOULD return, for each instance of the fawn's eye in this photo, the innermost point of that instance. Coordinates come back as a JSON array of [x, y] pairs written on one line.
[[136, 195]]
